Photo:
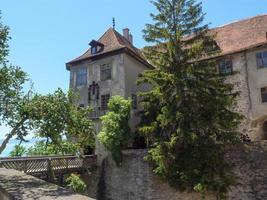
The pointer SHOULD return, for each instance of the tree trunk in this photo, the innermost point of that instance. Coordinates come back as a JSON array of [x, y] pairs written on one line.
[[11, 134]]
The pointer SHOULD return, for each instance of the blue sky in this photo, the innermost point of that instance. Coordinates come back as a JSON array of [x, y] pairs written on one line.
[[48, 33]]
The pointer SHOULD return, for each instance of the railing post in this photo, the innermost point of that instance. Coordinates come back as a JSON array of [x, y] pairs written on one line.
[[25, 166], [67, 164], [1, 164], [50, 173]]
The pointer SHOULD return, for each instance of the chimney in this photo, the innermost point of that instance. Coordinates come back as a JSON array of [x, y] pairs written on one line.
[[127, 35], [131, 38]]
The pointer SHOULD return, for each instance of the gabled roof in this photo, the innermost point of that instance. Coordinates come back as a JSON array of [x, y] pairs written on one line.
[[113, 42], [241, 35]]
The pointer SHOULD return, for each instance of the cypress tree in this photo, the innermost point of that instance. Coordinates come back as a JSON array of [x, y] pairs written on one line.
[[187, 115]]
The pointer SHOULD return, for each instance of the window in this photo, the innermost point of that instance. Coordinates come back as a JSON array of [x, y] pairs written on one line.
[[104, 101], [134, 101], [71, 78], [105, 72], [81, 76], [262, 59], [94, 50], [225, 67], [264, 95]]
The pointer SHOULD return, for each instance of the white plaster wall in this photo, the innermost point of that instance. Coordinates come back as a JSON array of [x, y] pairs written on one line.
[[257, 80], [133, 69]]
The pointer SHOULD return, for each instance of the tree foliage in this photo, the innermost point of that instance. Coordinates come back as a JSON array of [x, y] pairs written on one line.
[[115, 133], [57, 118], [53, 116], [49, 148], [12, 96], [18, 151], [187, 114]]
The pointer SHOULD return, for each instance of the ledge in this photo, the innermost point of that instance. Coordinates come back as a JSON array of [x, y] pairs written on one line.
[[15, 185]]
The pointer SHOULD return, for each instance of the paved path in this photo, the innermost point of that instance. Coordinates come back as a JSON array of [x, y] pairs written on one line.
[[16, 185]]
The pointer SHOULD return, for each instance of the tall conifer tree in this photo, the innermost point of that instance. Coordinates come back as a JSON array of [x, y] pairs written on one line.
[[187, 115]]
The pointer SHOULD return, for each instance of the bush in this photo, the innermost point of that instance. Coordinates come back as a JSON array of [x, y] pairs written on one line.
[[76, 183]]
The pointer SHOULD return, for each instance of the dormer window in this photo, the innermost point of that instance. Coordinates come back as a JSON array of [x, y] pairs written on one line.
[[94, 50], [96, 47]]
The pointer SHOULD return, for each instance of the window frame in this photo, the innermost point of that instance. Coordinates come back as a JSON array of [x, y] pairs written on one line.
[[263, 91], [72, 78], [81, 76], [106, 72], [94, 50], [225, 66], [261, 59], [104, 99]]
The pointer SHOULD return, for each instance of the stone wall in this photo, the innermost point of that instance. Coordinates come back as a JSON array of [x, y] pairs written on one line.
[[134, 180]]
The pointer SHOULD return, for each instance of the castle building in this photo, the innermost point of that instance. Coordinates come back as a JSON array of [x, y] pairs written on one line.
[[109, 67], [112, 64]]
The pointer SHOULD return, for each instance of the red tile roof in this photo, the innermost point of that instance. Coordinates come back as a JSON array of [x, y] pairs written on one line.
[[231, 38], [112, 41], [241, 35]]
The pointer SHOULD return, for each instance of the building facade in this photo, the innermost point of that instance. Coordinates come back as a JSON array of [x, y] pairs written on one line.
[[109, 67], [243, 59], [112, 64]]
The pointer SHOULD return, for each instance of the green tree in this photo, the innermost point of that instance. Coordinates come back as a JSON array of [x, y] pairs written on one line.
[[49, 148], [53, 116], [115, 133], [187, 114], [57, 118], [18, 151], [12, 97]]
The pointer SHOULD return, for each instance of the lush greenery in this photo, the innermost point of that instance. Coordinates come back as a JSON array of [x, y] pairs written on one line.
[[56, 118], [52, 116], [187, 114], [49, 148], [76, 183], [116, 133], [18, 151]]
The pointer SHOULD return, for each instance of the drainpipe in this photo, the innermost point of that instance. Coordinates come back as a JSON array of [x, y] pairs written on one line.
[[248, 86]]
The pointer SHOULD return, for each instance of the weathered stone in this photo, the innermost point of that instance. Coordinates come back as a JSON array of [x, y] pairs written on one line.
[[135, 179]]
